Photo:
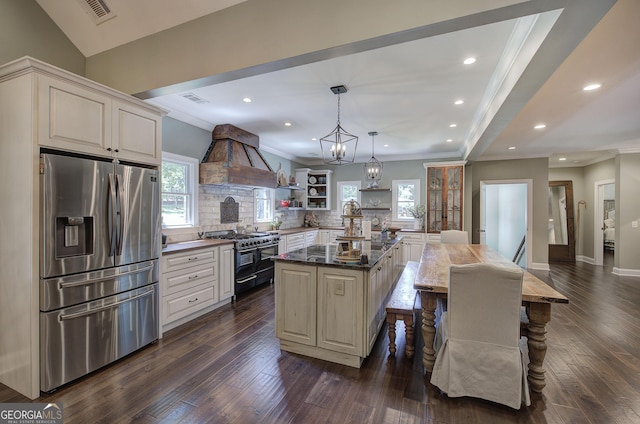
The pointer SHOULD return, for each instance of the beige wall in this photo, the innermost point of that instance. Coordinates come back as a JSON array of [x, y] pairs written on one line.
[[627, 176], [534, 169], [25, 30]]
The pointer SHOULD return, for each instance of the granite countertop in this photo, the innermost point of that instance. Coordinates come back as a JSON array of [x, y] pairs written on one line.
[[193, 244], [324, 254]]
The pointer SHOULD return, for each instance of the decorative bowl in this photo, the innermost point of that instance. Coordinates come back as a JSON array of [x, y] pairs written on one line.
[[284, 203]]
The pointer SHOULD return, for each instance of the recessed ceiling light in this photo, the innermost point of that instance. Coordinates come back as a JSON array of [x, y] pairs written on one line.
[[459, 102], [247, 100], [540, 126], [561, 159], [590, 87], [469, 60], [385, 145], [512, 148], [287, 124], [314, 139], [449, 140], [452, 125]]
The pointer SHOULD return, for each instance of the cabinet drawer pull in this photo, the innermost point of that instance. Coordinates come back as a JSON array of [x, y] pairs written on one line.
[[194, 300], [193, 277], [195, 258]]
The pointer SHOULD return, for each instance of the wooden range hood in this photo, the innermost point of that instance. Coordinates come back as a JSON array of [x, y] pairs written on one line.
[[233, 159]]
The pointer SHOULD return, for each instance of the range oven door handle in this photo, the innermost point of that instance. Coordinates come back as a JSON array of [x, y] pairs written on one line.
[[267, 247], [104, 308], [106, 278], [244, 280]]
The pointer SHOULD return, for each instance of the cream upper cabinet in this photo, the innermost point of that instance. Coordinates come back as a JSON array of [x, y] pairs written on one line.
[[75, 118], [136, 133]]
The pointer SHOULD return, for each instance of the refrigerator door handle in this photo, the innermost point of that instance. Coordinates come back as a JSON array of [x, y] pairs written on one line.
[[121, 213], [106, 278], [112, 215], [104, 308]]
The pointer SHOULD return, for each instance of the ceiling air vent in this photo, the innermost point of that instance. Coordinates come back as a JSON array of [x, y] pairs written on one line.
[[97, 10], [194, 98]]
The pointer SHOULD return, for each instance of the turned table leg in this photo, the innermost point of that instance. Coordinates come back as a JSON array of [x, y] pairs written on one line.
[[539, 316], [391, 321], [429, 304], [408, 325]]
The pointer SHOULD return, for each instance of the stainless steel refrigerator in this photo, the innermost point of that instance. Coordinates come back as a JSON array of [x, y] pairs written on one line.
[[99, 250]]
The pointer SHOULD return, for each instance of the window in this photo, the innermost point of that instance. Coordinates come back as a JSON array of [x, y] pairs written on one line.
[[406, 194], [179, 191], [348, 190], [264, 203]]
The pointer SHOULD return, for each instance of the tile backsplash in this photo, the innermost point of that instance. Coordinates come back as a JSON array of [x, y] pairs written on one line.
[[210, 197]]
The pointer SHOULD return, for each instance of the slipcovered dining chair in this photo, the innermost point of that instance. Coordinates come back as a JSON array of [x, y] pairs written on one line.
[[454, 236], [477, 340]]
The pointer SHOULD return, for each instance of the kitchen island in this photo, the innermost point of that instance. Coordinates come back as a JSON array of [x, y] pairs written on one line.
[[331, 310]]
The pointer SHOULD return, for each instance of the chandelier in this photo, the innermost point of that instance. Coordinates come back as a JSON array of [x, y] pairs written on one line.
[[339, 146], [373, 168]]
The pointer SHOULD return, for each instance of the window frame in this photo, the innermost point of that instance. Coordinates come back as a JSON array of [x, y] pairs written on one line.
[[394, 200], [191, 187], [339, 186], [269, 202]]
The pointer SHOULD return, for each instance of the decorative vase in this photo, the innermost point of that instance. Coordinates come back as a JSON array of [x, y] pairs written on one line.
[[417, 224]]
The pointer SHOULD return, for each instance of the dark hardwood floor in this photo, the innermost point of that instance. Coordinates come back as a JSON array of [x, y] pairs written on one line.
[[226, 367]]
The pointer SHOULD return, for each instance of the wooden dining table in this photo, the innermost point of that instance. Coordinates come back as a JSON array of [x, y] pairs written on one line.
[[432, 281]]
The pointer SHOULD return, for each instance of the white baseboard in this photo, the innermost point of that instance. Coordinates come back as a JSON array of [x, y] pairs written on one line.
[[626, 272], [586, 259], [539, 266]]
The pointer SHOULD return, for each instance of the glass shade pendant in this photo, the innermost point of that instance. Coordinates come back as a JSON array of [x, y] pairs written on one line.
[[373, 168], [339, 146]]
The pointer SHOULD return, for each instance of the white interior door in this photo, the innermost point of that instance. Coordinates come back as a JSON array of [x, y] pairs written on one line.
[[505, 217]]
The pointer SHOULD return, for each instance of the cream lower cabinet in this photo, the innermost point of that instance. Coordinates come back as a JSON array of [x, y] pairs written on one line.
[[331, 313], [195, 282], [413, 245], [340, 310], [226, 269], [189, 284], [310, 237], [296, 302]]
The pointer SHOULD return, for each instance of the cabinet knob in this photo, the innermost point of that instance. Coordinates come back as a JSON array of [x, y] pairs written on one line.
[[108, 149]]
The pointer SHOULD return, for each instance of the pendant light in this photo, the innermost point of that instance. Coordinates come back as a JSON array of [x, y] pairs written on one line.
[[339, 146], [373, 168]]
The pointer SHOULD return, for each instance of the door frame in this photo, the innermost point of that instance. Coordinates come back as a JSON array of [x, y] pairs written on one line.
[[598, 221], [529, 209]]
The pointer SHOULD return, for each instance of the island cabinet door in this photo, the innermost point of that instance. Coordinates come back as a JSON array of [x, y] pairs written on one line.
[[296, 289], [341, 310]]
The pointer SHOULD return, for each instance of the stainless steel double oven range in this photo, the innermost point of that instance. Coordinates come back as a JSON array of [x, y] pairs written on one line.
[[252, 263], [99, 252]]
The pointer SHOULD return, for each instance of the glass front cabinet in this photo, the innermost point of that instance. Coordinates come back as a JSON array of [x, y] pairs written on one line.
[[444, 198]]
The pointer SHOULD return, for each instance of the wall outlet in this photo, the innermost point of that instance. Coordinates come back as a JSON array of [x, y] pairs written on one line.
[[634, 224]]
